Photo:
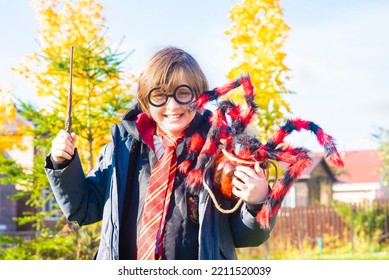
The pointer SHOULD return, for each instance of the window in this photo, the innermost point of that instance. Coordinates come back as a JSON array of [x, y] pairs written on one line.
[[50, 206]]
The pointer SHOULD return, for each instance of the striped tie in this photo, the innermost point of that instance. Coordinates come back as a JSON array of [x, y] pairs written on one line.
[[157, 202]]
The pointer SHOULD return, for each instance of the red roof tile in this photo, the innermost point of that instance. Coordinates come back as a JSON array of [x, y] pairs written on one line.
[[361, 166]]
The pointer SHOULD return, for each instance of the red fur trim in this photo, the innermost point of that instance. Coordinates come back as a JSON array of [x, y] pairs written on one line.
[[210, 148], [184, 166], [279, 136], [336, 159], [246, 115], [224, 135], [247, 86], [287, 157], [228, 139], [298, 168], [278, 190], [218, 119], [265, 214], [245, 154], [324, 138], [196, 143], [261, 154], [194, 177], [263, 217], [234, 113], [223, 90], [201, 101], [300, 124], [275, 209], [226, 184]]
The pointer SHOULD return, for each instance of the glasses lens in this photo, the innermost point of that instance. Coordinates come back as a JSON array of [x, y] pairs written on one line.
[[157, 96], [184, 94]]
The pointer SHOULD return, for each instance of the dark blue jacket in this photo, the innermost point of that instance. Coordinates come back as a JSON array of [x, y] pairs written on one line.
[[100, 196]]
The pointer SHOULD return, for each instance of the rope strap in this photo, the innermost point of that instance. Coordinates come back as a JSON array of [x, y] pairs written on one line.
[[237, 161]]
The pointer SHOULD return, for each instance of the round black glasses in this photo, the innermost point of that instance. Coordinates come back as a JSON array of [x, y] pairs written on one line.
[[183, 94]]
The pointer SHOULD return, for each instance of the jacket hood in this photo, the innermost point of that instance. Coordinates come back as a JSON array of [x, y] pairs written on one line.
[[129, 121]]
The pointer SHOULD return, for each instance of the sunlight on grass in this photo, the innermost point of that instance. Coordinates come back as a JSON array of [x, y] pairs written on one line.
[[362, 250]]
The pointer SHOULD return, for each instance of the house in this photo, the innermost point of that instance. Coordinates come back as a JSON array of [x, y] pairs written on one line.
[[9, 209], [314, 187], [361, 178]]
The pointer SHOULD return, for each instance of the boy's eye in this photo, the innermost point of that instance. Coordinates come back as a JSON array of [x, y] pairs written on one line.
[[158, 94], [183, 95]]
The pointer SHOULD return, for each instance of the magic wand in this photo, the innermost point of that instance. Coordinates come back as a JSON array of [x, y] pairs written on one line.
[[68, 121]]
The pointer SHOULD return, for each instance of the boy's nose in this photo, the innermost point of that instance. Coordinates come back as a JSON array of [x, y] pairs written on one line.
[[171, 102]]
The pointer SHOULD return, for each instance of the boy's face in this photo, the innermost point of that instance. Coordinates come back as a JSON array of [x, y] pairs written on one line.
[[173, 118]]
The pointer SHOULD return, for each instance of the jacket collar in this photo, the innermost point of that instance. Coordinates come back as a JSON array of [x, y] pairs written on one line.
[[130, 118]]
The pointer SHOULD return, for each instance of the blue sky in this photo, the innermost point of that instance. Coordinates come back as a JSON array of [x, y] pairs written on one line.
[[337, 52]]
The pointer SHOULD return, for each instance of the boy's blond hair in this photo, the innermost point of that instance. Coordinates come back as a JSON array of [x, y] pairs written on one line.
[[166, 68]]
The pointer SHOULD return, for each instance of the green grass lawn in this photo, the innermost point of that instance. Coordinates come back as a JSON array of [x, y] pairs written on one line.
[[339, 254], [349, 256]]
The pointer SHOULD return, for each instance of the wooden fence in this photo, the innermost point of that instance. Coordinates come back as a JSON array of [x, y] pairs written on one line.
[[324, 227], [308, 226]]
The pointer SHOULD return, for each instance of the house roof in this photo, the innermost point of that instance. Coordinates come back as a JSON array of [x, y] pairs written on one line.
[[10, 126], [361, 166], [316, 161]]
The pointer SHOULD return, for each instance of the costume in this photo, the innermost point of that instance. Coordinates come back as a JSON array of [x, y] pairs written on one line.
[[101, 195], [197, 224]]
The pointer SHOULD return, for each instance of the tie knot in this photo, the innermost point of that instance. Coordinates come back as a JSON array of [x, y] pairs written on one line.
[[171, 142]]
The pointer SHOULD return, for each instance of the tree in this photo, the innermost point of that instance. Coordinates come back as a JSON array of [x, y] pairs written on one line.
[[382, 137], [258, 32], [11, 127], [100, 86], [101, 93]]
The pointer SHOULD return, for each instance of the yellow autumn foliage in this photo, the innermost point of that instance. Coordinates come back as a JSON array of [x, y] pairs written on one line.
[[257, 34], [100, 85], [11, 127]]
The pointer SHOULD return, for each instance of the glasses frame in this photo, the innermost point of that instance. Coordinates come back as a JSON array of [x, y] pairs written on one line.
[[172, 95]]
